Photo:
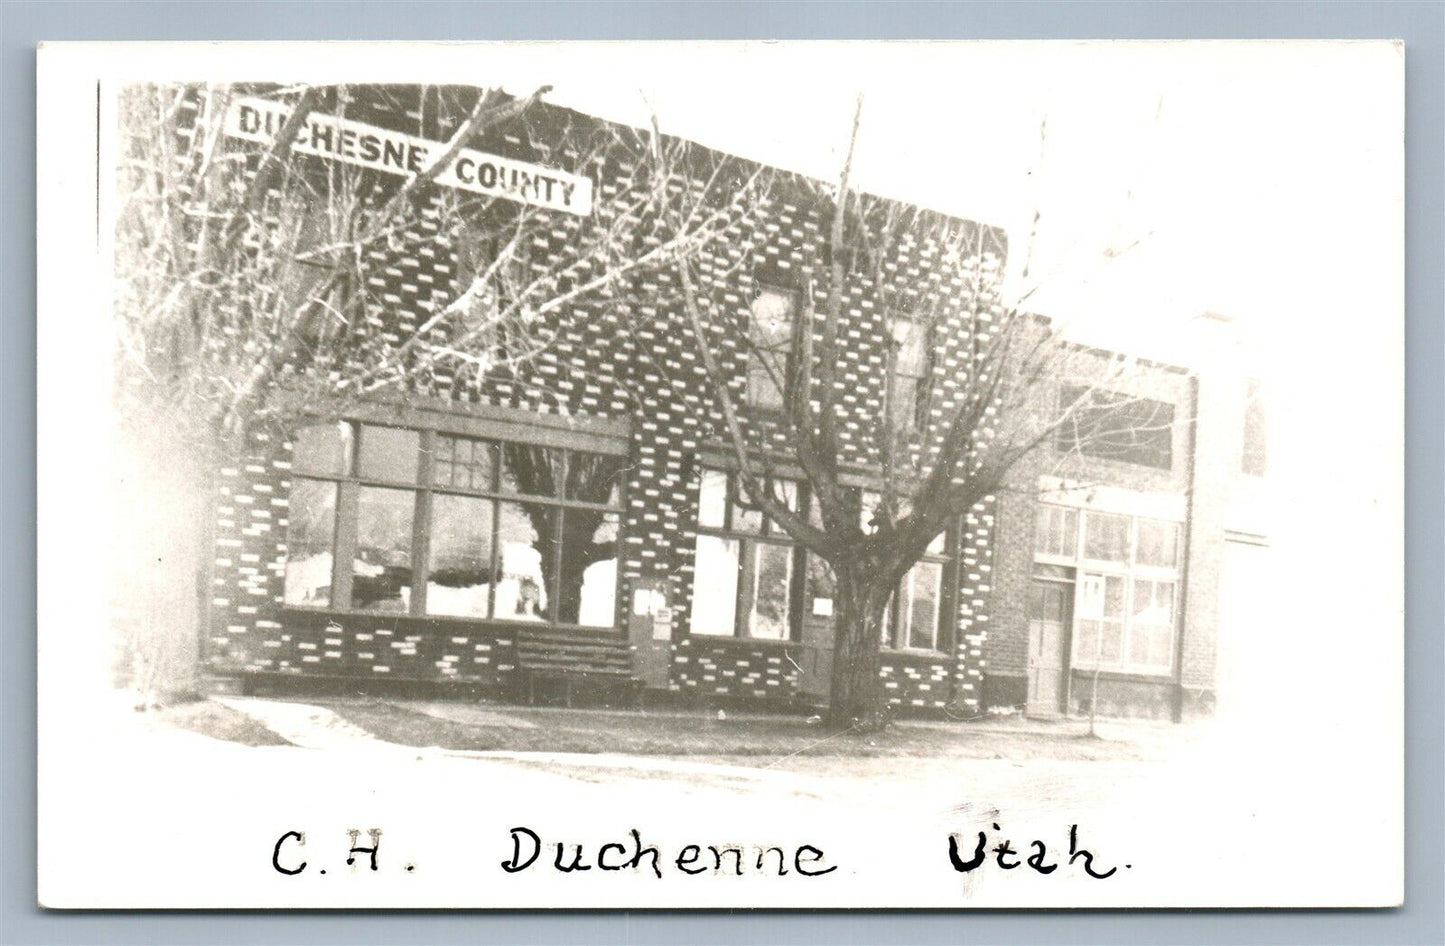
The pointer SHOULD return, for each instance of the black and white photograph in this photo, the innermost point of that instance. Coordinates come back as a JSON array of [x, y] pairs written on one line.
[[736, 474]]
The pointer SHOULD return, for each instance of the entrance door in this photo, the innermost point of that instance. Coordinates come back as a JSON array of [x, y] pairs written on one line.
[[649, 630], [815, 674], [1048, 634]]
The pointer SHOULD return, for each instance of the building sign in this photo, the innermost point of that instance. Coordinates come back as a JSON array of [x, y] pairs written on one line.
[[394, 152]]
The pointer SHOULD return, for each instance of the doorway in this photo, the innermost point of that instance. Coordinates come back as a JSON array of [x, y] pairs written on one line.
[[1049, 607]]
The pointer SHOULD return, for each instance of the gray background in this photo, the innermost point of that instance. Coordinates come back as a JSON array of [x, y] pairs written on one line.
[[1421, 25]]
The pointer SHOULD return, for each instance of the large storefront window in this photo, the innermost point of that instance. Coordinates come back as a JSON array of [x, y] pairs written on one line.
[[1126, 570], [450, 526], [746, 568]]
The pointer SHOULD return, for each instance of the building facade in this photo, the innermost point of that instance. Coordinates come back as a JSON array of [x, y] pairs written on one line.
[[576, 517], [1112, 549]]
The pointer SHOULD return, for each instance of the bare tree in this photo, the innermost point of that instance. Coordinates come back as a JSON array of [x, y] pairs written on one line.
[[244, 290], [970, 385]]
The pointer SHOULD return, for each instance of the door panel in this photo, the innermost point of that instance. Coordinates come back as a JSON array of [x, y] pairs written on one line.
[[649, 630], [816, 671], [1048, 627]]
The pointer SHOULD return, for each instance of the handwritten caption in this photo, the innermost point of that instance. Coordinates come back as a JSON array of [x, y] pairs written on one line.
[[526, 850]]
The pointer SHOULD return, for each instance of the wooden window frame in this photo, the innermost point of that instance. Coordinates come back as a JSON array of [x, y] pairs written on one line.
[[947, 560], [1129, 571], [350, 482], [748, 543], [795, 298]]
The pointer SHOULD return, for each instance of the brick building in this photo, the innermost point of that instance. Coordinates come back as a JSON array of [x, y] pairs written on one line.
[[575, 514], [1117, 553]]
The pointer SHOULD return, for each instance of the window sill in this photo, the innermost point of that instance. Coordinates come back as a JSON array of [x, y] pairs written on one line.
[[917, 653], [501, 624], [743, 641], [1128, 676]]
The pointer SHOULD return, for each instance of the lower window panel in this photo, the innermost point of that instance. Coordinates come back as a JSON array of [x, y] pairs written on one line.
[[381, 568], [715, 587], [459, 569]]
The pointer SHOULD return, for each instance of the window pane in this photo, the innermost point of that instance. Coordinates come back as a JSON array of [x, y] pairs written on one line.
[[595, 477], [1161, 609], [461, 461], [1117, 426], [459, 570], [939, 544], [922, 587], [1139, 644], [714, 587], [1086, 643], [381, 569], [903, 402], [389, 453], [787, 490], [712, 499], [745, 520], [530, 469], [1114, 597], [771, 325], [772, 591], [763, 384], [324, 448], [1112, 635], [587, 578], [770, 330], [1106, 537], [310, 526], [1161, 647], [1056, 531], [525, 539], [912, 338], [1151, 623], [1158, 543], [1102, 596]]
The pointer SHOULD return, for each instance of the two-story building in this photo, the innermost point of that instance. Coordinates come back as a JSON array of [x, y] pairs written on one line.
[[1115, 538], [579, 513]]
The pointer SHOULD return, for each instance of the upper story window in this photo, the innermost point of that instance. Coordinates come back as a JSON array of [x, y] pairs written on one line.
[[746, 569], [770, 336], [423, 522], [912, 372], [1126, 571], [1114, 426], [495, 321], [1255, 456]]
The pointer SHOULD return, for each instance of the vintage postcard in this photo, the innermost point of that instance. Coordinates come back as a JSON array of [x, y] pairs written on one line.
[[656, 475]]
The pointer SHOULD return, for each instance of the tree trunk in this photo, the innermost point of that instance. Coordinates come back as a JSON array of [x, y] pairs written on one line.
[[856, 692]]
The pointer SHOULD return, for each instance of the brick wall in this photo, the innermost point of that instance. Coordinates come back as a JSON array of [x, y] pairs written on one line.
[[627, 356]]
